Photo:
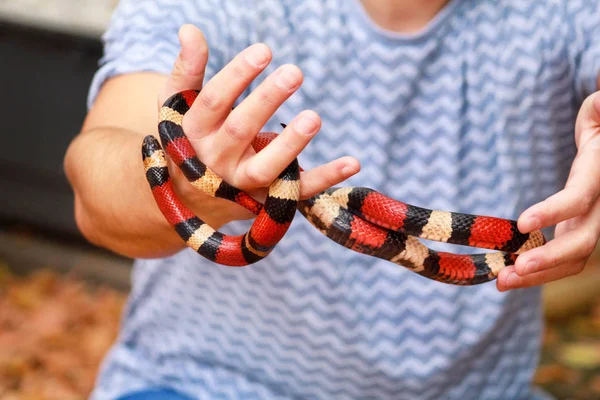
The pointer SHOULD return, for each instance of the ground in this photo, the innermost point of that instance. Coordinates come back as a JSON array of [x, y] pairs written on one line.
[[55, 329]]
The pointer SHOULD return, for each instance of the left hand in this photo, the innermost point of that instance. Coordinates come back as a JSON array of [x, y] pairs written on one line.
[[575, 211]]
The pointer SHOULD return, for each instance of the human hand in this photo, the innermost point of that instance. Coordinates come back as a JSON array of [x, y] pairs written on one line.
[[575, 211], [222, 137]]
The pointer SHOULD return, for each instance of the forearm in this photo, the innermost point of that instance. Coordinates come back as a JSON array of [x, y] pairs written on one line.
[[114, 207], [114, 204]]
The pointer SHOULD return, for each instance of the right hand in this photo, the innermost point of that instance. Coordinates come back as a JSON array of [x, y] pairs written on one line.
[[222, 138]]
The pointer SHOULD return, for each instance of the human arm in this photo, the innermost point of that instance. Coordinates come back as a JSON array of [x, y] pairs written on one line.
[[113, 202]]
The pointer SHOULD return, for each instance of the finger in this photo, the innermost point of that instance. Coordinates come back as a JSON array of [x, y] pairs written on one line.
[[188, 71], [509, 279], [588, 120], [217, 97], [571, 247], [243, 123], [570, 202], [577, 198], [325, 176], [264, 167]]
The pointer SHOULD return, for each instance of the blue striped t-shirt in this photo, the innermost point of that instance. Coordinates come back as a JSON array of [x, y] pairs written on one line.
[[474, 113]]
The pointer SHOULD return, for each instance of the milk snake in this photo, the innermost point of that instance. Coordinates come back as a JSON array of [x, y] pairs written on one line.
[[360, 219]]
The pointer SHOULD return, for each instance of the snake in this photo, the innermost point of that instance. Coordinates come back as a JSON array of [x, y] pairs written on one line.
[[358, 218]]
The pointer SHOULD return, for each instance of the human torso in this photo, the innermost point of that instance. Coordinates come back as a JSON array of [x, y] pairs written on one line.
[[473, 114]]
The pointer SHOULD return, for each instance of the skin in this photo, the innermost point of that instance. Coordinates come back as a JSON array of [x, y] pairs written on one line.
[[575, 210], [405, 16], [131, 224], [114, 207]]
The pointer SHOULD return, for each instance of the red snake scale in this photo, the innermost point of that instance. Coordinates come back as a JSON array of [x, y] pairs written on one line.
[[360, 219]]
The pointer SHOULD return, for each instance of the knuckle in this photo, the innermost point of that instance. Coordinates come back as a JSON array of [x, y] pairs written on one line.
[[588, 244], [240, 70], [552, 260], [210, 100], [256, 177], [267, 98], [178, 69], [587, 201], [235, 128], [333, 176], [288, 145]]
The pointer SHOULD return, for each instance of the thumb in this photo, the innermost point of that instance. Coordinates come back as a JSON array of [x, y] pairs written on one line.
[[188, 71]]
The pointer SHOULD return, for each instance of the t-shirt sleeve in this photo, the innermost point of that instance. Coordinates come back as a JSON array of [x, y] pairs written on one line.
[[583, 21], [142, 36]]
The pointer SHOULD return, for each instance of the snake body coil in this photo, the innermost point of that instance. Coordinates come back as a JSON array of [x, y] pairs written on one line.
[[360, 219]]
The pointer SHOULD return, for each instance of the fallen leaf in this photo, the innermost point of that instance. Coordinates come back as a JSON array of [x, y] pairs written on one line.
[[580, 355]]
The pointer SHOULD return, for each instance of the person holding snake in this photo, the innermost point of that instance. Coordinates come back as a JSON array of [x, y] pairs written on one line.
[[469, 113]]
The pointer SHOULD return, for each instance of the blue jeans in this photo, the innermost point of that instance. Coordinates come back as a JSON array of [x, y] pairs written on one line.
[[155, 394]]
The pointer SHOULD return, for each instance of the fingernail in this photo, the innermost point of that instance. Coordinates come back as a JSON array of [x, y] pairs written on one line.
[[511, 280], [531, 266], [306, 125], [257, 57], [286, 79]]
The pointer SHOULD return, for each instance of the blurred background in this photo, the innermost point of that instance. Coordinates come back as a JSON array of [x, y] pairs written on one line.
[[61, 298]]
